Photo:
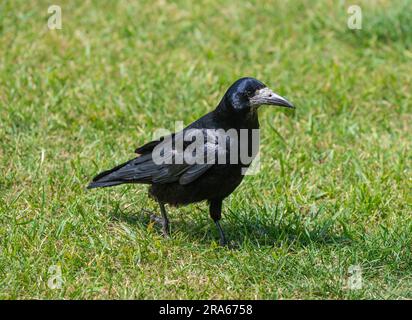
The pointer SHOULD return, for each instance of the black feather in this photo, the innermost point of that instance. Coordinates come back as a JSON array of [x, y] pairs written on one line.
[[185, 183]]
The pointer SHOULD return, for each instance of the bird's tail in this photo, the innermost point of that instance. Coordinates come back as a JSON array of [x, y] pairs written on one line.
[[107, 178]]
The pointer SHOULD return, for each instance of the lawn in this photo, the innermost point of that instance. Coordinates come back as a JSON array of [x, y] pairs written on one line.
[[333, 193]]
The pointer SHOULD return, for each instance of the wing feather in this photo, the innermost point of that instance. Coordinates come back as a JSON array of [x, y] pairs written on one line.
[[145, 169]]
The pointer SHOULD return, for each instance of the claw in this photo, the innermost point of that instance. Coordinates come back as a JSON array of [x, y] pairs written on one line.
[[159, 220]]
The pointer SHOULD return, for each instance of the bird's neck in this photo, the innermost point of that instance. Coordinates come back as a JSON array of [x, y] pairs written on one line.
[[236, 119]]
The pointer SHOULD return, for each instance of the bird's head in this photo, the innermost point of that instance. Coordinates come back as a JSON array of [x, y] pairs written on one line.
[[247, 94]]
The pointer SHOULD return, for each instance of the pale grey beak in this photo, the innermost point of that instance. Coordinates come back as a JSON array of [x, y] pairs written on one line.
[[268, 97]]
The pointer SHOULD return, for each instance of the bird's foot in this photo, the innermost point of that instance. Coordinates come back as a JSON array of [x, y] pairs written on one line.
[[231, 245], [156, 218], [161, 221], [222, 240]]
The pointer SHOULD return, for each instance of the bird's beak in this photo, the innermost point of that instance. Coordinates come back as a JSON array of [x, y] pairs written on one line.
[[268, 97]]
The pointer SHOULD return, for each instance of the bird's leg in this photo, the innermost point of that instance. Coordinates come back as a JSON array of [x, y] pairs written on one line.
[[165, 220], [221, 234], [216, 213], [155, 218]]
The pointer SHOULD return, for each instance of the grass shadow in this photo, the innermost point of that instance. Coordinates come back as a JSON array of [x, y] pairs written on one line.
[[242, 230]]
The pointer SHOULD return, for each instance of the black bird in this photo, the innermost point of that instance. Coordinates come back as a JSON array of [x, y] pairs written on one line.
[[180, 183]]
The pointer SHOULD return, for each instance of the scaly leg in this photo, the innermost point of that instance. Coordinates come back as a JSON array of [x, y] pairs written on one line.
[[215, 210], [163, 220]]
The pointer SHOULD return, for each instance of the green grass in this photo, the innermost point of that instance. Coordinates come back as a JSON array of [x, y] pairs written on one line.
[[334, 188]]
